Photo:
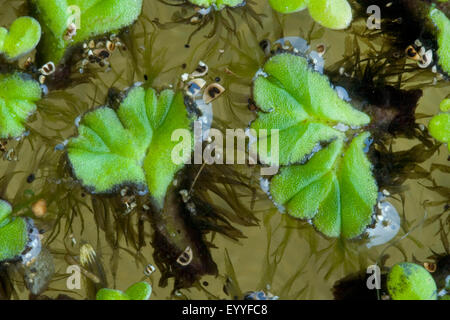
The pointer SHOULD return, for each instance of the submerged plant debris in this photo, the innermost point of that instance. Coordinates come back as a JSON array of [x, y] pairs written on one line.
[[98, 97]]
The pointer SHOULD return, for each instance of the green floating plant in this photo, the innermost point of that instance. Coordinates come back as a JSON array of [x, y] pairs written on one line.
[[131, 145], [335, 188], [445, 105], [13, 233], [91, 18], [138, 291], [288, 6], [23, 36], [18, 94], [443, 25], [409, 281], [219, 4], [333, 14], [439, 125]]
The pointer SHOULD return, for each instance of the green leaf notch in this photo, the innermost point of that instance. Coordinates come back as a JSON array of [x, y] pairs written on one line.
[[97, 17], [138, 291], [13, 233], [335, 188], [409, 281], [219, 4], [131, 145], [18, 94], [333, 14], [439, 125], [23, 36], [443, 37]]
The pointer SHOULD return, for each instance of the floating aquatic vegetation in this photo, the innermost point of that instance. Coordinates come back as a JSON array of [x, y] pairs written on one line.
[[219, 4], [409, 281], [303, 106], [130, 146], [66, 23], [443, 38], [138, 291], [440, 124], [211, 207], [333, 14], [18, 94], [13, 233], [19, 239], [288, 6], [23, 36], [404, 281]]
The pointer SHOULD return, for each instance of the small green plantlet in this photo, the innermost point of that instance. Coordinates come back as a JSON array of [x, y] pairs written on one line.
[[409, 281], [131, 145], [219, 4], [138, 291], [23, 36], [288, 6], [439, 127], [13, 233], [443, 38], [333, 14], [90, 17], [18, 94], [332, 187], [445, 105]]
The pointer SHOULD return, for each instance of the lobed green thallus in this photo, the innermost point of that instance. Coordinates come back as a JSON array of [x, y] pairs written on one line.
[[439, 125], [96, 17], [131, 145], [13, 233], [333, 14], [138, 291], [335, 188], [23, 36], [219, 4], [18, 95], [409, 281], [443, 37]]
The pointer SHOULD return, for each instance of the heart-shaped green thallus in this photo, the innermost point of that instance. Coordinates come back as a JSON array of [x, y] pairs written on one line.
[[91, 18], [23, 36], [18, 96], [138, 291], [131, 144], [333, 14]]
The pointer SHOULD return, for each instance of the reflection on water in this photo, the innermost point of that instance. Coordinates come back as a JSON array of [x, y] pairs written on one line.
[[252, 247]]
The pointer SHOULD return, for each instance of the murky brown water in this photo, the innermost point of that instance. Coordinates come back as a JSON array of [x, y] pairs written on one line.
[[280, 255]]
